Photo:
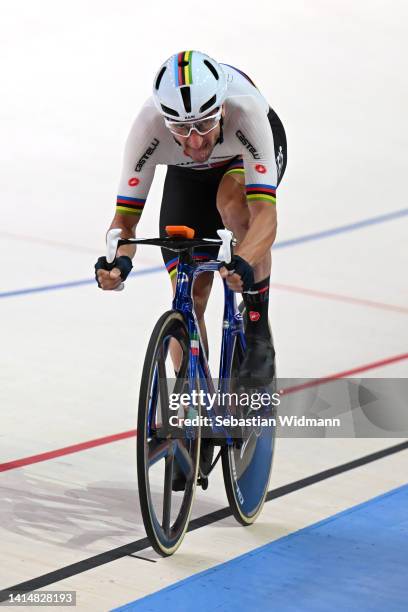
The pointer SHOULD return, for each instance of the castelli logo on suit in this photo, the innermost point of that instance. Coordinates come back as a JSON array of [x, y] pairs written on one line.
[[148, 153], [247, 144]]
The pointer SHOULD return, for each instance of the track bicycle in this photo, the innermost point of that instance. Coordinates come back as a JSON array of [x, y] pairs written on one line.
[[181, 439]]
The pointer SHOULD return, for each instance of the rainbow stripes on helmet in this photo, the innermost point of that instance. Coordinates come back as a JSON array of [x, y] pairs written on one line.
[[129, 206], [183, 74], [261, 193]]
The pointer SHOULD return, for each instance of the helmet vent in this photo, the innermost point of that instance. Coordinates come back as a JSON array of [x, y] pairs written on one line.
[[183, 63], [160, 76], [212, 69], [186, 95], [169, 111], [207, 104]]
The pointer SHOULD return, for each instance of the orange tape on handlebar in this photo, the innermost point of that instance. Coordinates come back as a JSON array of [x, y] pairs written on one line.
[[181, 231]]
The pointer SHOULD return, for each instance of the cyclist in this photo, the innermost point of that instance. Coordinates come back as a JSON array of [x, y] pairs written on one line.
[[225, 151]]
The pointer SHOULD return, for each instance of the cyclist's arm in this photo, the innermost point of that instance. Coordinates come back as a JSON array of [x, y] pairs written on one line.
[[261, 233], [127, 223], [260, 182], [139, 162]]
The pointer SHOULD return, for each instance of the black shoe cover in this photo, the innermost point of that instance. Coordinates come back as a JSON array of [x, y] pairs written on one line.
[[258, 366]]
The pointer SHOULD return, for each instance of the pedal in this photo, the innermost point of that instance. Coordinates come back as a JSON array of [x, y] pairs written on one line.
[[206, 457], [178, 484], [202, 482]]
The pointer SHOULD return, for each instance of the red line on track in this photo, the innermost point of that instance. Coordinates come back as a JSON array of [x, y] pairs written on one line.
[[331, 377], [340, 298], [76, 448], [67, 450]]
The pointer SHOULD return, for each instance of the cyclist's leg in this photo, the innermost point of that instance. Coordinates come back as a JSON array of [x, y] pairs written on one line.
[[257, 367], [189, 199], [201, 293], [232, 204]]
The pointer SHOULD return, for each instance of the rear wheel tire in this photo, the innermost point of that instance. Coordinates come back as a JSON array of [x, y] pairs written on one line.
[[247, 463]]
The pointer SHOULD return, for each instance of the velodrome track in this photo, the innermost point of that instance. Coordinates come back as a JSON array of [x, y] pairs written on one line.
[[71, 355]]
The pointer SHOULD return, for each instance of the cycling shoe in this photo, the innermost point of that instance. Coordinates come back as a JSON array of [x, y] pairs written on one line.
[[258, 366]]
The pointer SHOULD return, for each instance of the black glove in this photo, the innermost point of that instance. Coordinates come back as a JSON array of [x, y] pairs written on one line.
[[243, 269], [123, 263]]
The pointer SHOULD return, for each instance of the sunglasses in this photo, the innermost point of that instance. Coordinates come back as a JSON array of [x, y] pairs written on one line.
[[202, 126]]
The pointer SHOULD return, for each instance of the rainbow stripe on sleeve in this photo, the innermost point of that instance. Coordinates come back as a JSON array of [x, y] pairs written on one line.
[[183, 74], [129, 206], [261, 193], [236, 167]]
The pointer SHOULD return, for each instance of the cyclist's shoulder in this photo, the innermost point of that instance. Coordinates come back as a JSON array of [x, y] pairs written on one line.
[[246, 124], [240, 84], [235, 76], [149, 117], [148, 129], [243, 98], [244, 111], [246, 105]]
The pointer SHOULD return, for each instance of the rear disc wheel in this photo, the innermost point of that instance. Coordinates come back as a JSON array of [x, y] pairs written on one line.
[[247, 463]]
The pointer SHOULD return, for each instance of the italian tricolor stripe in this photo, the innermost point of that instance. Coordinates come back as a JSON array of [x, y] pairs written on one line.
[[261, 193], [194, 343], [129, 206], [183, 74]]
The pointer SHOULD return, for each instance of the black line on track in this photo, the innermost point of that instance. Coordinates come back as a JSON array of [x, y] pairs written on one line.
[[202, 521], [143, 558]]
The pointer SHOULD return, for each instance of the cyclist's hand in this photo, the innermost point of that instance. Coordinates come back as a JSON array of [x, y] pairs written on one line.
[[108, 280], [238, 274], [110, 276], [234, 281]]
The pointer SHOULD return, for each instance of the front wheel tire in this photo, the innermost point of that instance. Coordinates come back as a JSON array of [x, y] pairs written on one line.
[[163, 449]]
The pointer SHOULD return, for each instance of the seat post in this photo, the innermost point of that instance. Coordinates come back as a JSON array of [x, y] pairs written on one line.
[[186, 256]]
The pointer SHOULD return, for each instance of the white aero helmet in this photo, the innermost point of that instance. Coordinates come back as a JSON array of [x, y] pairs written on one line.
[[188, 86]]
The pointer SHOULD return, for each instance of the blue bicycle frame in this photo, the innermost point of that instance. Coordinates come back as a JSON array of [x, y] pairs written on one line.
[[232, 329]]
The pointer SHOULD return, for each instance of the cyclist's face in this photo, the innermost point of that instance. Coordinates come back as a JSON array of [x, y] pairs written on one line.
[[198, 147]]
